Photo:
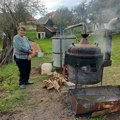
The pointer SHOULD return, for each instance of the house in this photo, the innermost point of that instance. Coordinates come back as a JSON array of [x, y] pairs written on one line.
[[30, 24], [45, 26]]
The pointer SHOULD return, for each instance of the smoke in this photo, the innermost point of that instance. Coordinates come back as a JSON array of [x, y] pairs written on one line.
[[107, 20], [99, 39]]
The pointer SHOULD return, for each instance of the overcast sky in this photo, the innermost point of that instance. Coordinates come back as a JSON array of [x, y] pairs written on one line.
[[52, 5]]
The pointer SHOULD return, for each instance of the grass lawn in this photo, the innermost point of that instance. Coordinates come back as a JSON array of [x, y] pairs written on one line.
[[116, 49], [12, 98]]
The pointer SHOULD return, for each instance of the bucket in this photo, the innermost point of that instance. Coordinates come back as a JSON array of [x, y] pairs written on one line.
[[40, 54]]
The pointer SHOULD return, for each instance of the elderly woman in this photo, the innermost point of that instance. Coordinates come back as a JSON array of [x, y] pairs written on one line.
[[22, 51]]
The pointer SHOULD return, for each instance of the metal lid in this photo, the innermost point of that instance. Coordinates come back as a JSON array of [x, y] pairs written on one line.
[[84, 49]]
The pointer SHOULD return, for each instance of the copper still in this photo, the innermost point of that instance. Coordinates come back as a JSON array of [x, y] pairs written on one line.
[[84, 62]]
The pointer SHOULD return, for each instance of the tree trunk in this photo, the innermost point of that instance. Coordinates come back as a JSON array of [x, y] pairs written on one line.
[[6, 55]]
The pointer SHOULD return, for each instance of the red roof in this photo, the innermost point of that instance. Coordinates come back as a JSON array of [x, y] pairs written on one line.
[[51, 14], [43, 20], [32, 19]]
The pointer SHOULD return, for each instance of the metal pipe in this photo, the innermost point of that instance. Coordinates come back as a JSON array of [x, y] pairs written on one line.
[[77, 25], [76, 74], [61, 53], [111, 28], [108, 47]]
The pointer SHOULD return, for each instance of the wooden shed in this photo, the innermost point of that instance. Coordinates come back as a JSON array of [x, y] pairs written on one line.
[[45, 27]]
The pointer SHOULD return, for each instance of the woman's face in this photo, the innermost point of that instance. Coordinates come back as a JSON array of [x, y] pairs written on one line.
[[21, 32]]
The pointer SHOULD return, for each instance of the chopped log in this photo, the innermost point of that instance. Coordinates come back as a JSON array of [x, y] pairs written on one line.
[[48, 84], [61, 81], [56, 85], [70, 84]]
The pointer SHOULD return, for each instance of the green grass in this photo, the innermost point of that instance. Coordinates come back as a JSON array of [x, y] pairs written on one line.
[[11, 95], [116, 49], [38, 60], [31, 35], [98, 118], [45, 45], [13, 102]]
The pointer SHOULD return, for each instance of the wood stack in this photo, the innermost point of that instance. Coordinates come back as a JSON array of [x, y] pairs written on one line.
[[55, 82], [6, 55]]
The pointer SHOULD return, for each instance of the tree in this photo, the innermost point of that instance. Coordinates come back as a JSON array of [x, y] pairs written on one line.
[[102, 11], [63, 18], [80, 12], [12, 12]]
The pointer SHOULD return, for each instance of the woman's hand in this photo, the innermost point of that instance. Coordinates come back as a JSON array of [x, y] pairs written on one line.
[[30, 51], [29, 57]]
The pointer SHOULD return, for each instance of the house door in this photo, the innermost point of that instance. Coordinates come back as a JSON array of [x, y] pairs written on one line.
[[40, 35]]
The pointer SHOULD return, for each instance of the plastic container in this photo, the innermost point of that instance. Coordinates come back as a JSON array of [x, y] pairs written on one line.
[[40, 54]]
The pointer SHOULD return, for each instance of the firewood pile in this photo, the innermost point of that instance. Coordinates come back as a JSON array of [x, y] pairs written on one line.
[[6, 55], [55, 82]]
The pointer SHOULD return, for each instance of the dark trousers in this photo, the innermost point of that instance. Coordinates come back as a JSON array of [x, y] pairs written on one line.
[[24, 67]]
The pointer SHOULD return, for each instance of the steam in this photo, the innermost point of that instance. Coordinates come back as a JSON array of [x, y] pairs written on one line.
[[99, 37], [110, 22]]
